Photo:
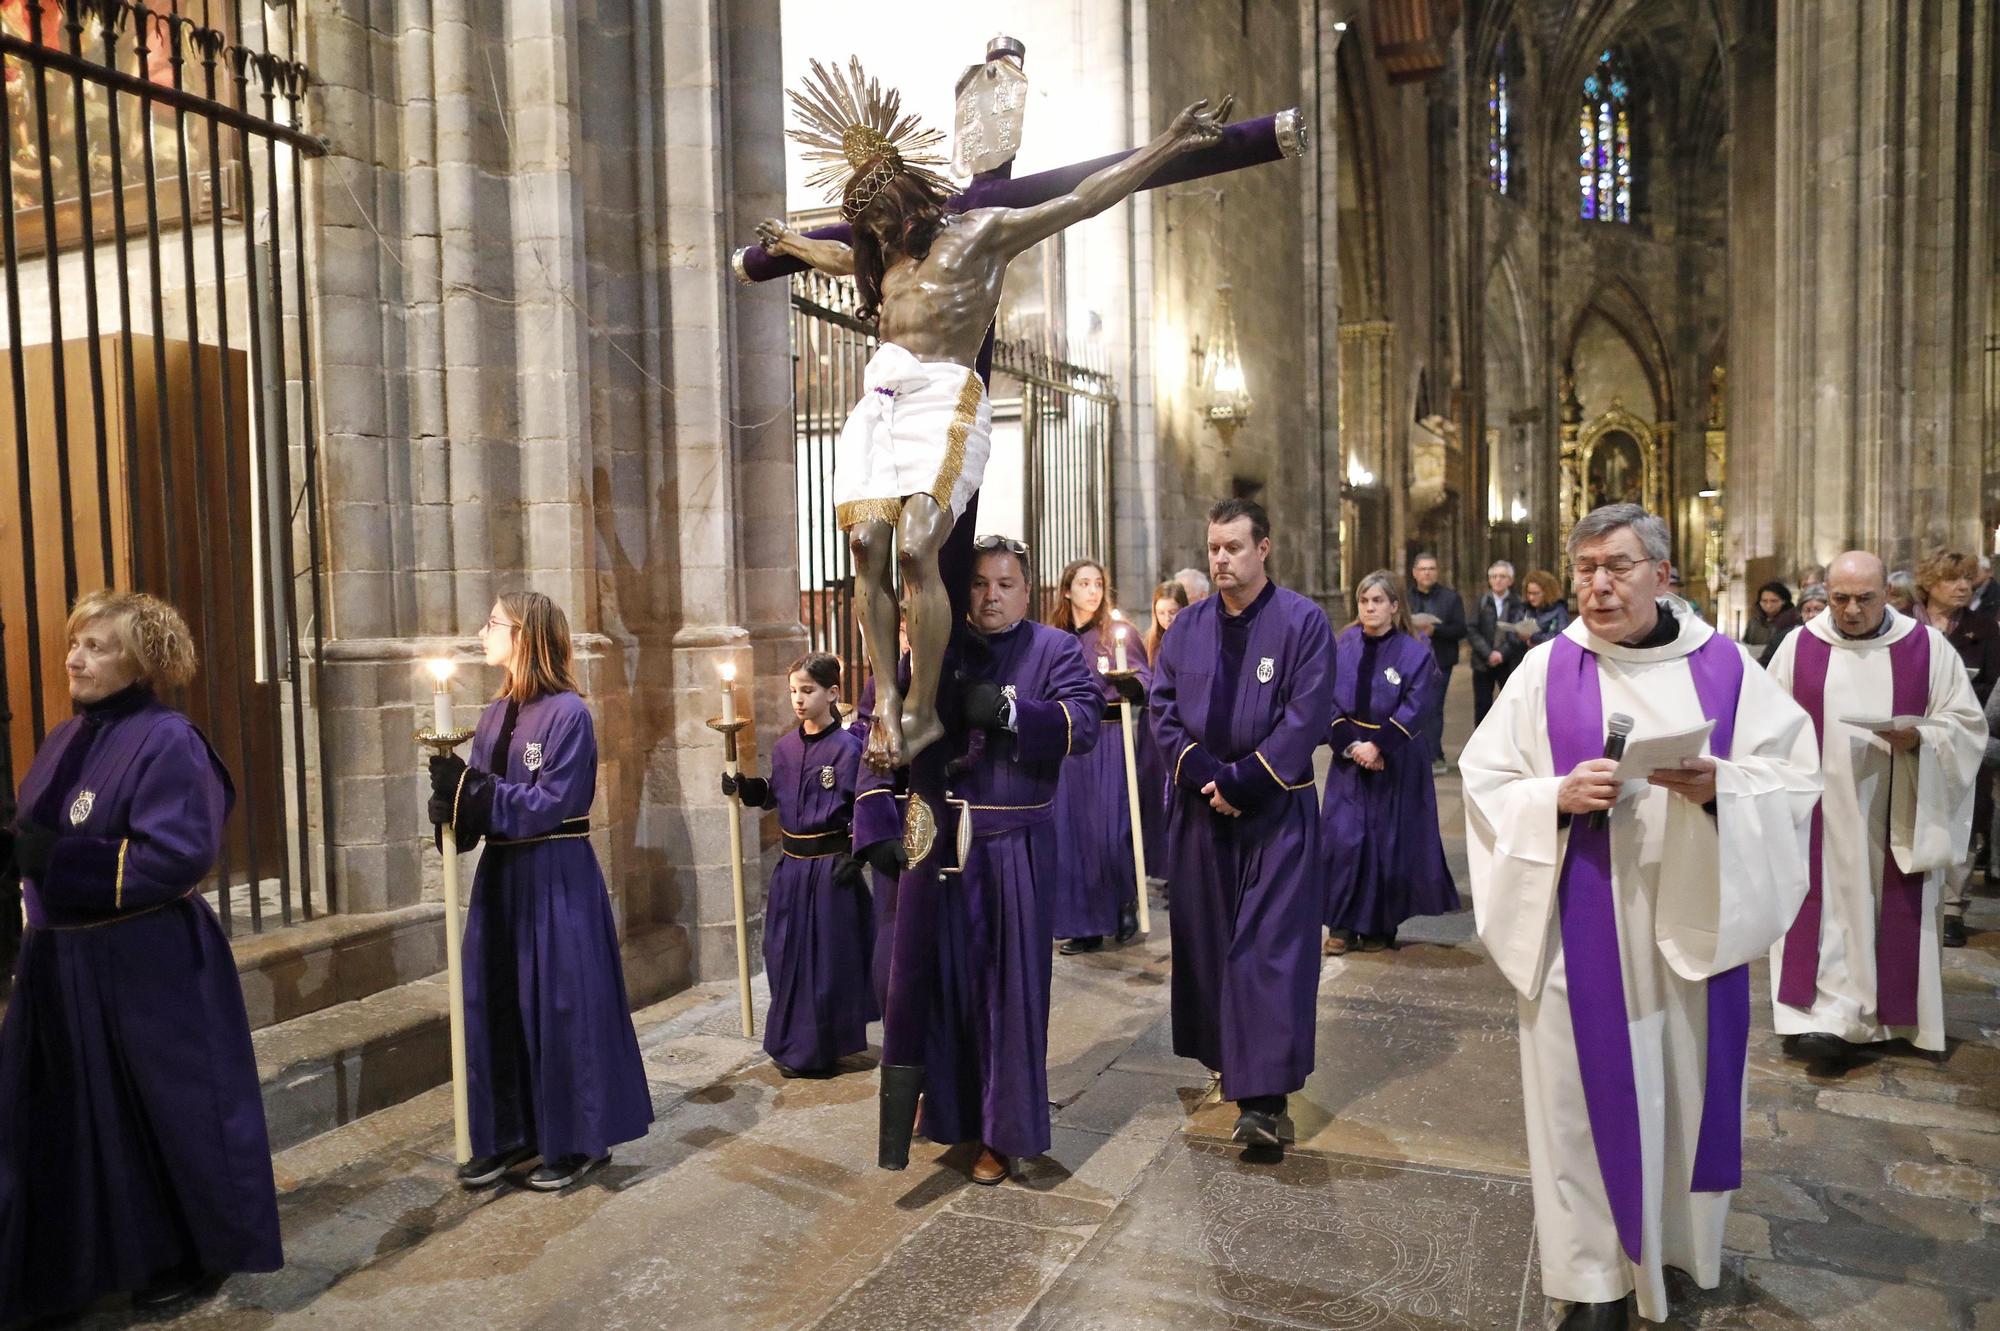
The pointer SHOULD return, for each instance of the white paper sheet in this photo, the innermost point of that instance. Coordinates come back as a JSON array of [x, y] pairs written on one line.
[[1879, 723], [1646, 754]]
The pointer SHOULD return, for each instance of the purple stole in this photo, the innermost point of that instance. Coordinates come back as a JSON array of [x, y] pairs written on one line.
[[1591, 953], [1899, 935]]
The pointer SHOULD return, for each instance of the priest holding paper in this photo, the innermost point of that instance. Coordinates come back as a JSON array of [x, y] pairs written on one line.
[[1900, 735], [1624, 908]]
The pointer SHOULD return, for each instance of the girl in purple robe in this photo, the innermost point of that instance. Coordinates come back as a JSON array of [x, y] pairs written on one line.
[[1169, 599], [1095, 894], [819, 920], [133, 1154], [1378, 824], [551, 1059]]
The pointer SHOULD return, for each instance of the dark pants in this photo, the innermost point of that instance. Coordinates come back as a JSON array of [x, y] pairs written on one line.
[[1486, 686], [1432, 723]]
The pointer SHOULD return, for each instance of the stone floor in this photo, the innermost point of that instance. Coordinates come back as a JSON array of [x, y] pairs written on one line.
[[1870, 1196]]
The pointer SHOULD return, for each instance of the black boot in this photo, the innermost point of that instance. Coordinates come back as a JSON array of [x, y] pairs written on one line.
[[902, 1084], [1597, 1317], [1128, 922]]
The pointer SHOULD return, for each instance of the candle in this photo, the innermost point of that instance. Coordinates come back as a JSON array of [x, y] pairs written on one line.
[[728, 670], [1118, 631], [441, 700]]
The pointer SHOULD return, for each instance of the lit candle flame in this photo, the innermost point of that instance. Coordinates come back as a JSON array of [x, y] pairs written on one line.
[[728, 671], [441, 671]]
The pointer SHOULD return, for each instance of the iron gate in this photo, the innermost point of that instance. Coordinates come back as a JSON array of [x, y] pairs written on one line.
[[1066, 413], [159, 387]]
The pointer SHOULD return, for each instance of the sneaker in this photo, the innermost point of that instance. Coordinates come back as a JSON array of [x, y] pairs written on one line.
[[1954, 931], [1439, 767], [555, 1175], [484, 1171]]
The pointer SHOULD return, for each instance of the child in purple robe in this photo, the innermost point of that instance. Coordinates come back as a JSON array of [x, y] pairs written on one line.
[[1094, 892], [133, 1154], [819, 920], [552, 1062], [1378, 827]]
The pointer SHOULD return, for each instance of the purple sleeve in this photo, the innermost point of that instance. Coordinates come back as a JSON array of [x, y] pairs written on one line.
[[178, 810], [1404, 722], [568, 776], [1283, 760], [1192, 767], [1068, 721], [877, 816]]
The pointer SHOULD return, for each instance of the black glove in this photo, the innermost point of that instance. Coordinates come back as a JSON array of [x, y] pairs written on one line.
[[1129, 688], [33, 844], [753, 791], [985, 706], [886, 857], [447, 770], [851, 873]]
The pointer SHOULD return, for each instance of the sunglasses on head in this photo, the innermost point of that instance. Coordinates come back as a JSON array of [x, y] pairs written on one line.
[[1006, 543]]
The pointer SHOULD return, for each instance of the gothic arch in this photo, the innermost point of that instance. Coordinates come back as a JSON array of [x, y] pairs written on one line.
[[1616, 302]]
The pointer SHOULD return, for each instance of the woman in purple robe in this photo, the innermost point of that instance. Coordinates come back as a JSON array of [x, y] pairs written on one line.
[[552, 1063], [1379, 825], [819, 920], [133, 1154], [1169, 599], [1095, 894]]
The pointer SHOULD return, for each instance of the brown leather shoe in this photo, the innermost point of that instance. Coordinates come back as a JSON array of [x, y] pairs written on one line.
[[1337, 943], [990, 1169]]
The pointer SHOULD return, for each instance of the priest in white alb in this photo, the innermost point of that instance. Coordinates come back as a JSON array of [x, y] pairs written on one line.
[[1861, 963], [1627, 936]]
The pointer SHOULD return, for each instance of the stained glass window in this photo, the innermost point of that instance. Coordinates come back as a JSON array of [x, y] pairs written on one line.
[[1499, 123], [1604, 142]]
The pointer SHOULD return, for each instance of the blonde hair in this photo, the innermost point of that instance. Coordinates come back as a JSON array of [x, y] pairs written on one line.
[[151, 632], [542, 663]]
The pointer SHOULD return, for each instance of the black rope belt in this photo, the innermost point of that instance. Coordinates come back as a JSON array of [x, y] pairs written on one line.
[[816, 845]]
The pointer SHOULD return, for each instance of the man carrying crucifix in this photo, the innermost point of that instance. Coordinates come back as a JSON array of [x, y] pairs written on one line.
[[914, 448]]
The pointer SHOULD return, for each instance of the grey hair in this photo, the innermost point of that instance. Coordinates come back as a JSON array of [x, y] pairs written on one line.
[[1200, 578], [1650, 528], [1985, 564], [1501, 563], [1422, 555]]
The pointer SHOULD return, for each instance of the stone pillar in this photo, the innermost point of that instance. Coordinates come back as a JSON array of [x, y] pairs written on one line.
[[1882, 137], [1752, 485]]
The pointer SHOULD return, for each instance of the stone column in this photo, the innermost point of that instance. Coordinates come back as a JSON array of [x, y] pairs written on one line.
[[1881, 264]]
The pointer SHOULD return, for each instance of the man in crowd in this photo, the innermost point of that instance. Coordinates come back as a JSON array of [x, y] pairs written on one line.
[[1985, 592], [1242, 695], [1495, 650], [1439, 617], [1861, 964], [1029, 702], [1194, 582], [1625, 914]]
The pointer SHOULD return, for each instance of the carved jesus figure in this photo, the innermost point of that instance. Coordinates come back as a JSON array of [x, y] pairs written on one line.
[[914, 448]]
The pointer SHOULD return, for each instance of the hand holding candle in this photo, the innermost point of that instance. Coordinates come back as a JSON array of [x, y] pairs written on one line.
[[729, 726], [1119, 628], [442, 739]]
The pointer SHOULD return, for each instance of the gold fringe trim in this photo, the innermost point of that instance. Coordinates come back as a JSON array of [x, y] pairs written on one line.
[[118, 887], [954, 440], [1182, 759], [1274, 773], [852, 514]]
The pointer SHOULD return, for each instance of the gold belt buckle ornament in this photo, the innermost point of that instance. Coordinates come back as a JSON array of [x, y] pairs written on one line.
[[919, 830]]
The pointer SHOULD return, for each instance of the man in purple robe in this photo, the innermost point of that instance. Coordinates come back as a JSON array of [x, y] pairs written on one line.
[[1029, 702], [1241, 697]]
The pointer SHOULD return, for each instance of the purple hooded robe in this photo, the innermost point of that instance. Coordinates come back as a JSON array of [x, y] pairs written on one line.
[[819, 934], [551, 1058], [132, 1136], [986, 1055], [1379, 830], [1243, 701]]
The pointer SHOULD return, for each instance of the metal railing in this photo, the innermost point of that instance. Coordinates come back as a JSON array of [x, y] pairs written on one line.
[[158, 429], [1068, 417]]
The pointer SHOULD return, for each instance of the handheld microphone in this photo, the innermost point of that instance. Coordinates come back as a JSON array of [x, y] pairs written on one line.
[[1616, 729]]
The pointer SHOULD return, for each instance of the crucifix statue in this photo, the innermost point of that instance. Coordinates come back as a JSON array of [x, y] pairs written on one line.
[[914, 448]]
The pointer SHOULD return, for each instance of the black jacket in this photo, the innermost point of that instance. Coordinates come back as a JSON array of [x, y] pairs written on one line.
[[1443, 602], [1977, 638], [1486, 636]]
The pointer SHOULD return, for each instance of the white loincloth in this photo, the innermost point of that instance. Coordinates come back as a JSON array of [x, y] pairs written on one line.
[[921, 427]]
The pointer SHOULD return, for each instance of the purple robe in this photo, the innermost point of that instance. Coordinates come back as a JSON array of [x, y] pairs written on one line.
[[1094, 816], [1244, 707], [819, 936], [132, 1135], [1379, 830], [551, 1059], [986, 1052]]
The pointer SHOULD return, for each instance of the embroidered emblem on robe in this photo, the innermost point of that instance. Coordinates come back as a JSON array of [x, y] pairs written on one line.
[[1007, 692], [1267, 669], [80, 810], [531, 757], [1392, 676], [826, 778]]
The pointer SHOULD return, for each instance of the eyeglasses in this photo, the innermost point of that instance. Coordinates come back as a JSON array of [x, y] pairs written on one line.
[[495, 622], [1007, 543], [1619, 569]]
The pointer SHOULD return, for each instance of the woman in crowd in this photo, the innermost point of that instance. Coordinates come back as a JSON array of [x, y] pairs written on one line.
[[1944, 591], [1169, 599], [553, 1064], [1547, 610], [819, 920], [133, 1154], [1780, 617], [1095, 893], [1378, 824], [1812, 600]]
